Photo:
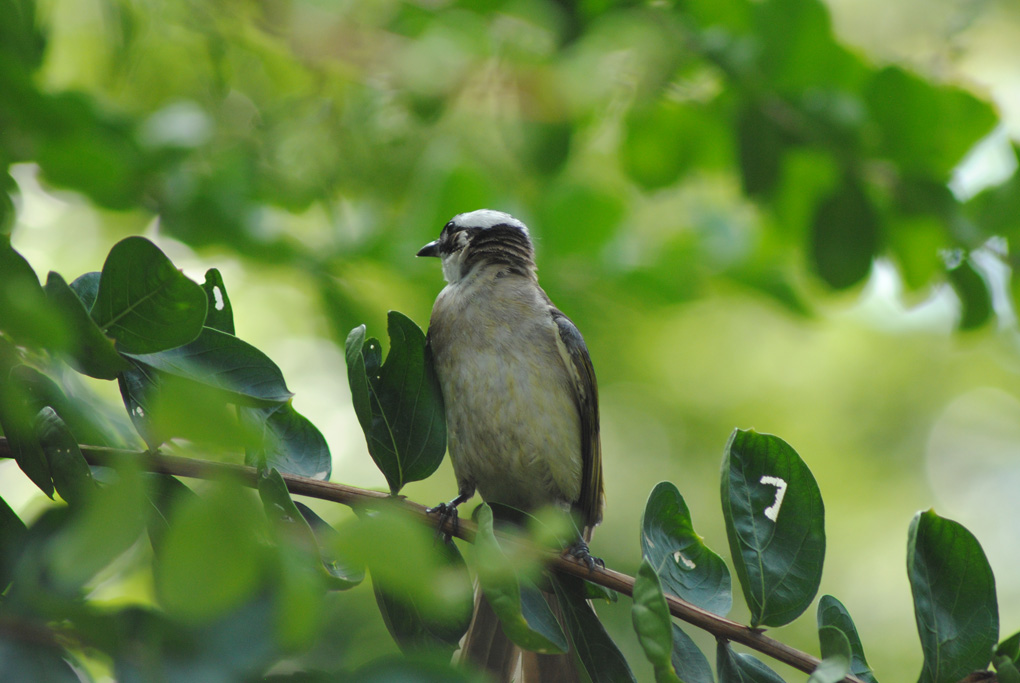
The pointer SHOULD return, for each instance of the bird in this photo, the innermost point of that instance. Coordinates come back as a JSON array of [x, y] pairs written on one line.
[[521, 403]]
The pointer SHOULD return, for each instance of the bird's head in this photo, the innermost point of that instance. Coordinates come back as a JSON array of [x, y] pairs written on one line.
[[479, 239]]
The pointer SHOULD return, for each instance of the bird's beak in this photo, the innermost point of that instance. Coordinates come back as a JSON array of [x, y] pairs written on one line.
[[430, 249]]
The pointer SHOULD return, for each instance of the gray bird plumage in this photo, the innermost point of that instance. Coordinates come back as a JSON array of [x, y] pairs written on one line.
[[520, 392]]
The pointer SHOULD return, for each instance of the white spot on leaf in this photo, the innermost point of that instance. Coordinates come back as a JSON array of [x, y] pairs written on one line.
[[772, 511], [680, 558], [218, 296]]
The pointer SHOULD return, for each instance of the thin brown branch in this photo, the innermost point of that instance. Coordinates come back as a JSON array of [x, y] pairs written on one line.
[[352, 496]]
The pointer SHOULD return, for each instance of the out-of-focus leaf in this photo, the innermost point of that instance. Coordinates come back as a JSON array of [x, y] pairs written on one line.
[[144, 302], [954, 598], [836, 655], [223, 362], [17, 418], [686, 566], [975, 298], [91, 352], [572, 203], [596, 651], [219, 313], [398, 403], [411, 670], [139, 387], [71, 474], [163, 492], [524, 614], [12, 535], [761, 147], [844, 236], [547, 144], [343, 573], [689, 662], [775, 524], [25, 660], [1007, 659], [737, 667], [924, 127], [282, 438], [212, 560], [832, 614], [25, 312], [650, 617]]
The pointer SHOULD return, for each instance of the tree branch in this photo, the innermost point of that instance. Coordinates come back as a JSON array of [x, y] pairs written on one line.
[[352, 496]]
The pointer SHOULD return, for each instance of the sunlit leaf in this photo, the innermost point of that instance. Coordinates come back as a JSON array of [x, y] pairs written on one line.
[[144, 302], [775, 524], [954, 598], [398, 403], [686, 566]]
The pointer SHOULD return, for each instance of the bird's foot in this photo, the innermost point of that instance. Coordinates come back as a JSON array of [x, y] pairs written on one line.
[[579, 551], [447, 513]]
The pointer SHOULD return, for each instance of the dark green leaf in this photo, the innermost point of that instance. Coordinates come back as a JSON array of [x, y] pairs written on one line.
[[71, 474], [91, 351], [686, 566], [219, 314], [761, 148], [139, 388], [1007, 660], [144, 302], [689, 662], [399, 405], [954, 598], [1010, 648], [832, 613], [281, 510], [775, 524], [844, 236], [736, 667], [836, 655], [526, 617], [651, 620], [223, 362], [975, 298], [25, 312], [284, 439], [27, 660], [17, 418], [86, 286], [12, 535], [343, 573], [595, 650], [163, 492], [1007, 671]]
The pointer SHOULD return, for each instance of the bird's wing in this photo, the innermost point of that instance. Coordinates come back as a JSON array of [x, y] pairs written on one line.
[[586, 396]]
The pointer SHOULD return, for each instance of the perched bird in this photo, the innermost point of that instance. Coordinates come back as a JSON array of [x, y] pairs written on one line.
[[521, 400]]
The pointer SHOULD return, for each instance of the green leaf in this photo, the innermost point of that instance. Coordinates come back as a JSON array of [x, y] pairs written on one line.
[[410, 670], [596, 651], [284, 439], [775, 525], [86, 286], [844, 236], [219, 313], [72, 476], [163, 492], [954, 598], [1010, 648], [761, 146], [686, 566], [17, 419], [282, 512], [223, 362], [689, 662], [975, 298], [736, 667], [139, 386], [534, 628], [836, 654], [21, 659], [25, 312], [92, 353], [650, 616], [12, 535], [144, 302], [343, 573], [1007, 659], [832, 614], [398, 403]]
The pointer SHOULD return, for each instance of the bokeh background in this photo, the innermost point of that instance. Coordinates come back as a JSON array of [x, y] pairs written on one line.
[[748, 208]]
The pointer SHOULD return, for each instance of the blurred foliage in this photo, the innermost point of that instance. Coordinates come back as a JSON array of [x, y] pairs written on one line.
[[703, 179]]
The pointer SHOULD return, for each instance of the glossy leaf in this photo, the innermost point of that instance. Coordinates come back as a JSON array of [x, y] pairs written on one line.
[[832, 614], [398, 403], [86, 286], [651, 620], [534, 628], [91, 352], [72, 476], [139, 387], [686, 566], [283, 439], [595, 650], [836, 655], [844, 237], [954, 598], [343, 573], [144, 302], [737, 667], [975, 297], [689, 662], [775, 525], [223, 362], [219, 313]]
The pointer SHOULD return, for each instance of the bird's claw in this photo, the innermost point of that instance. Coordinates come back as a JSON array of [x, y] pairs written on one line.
[[579, 551], [447, 513]]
